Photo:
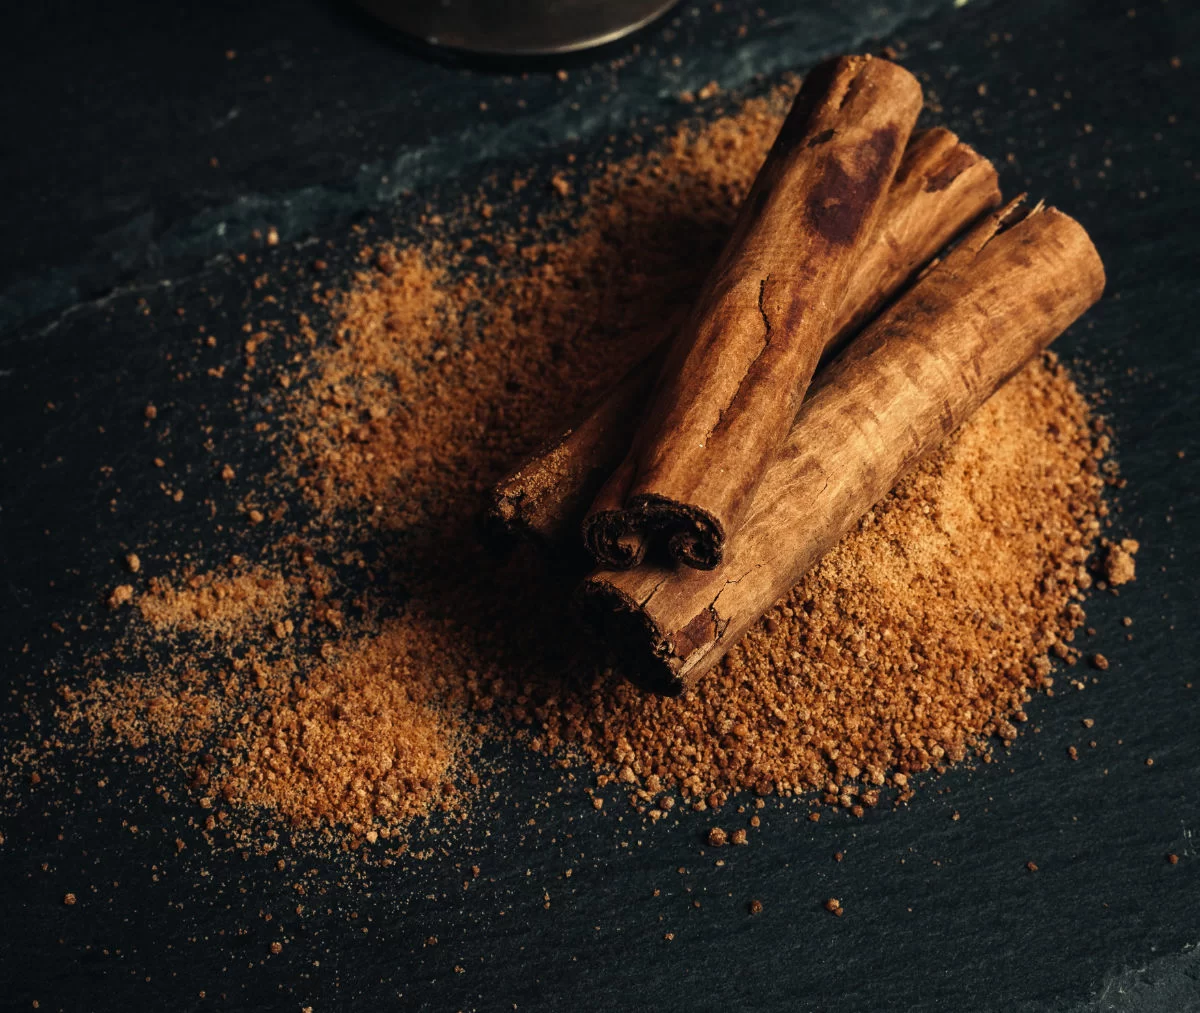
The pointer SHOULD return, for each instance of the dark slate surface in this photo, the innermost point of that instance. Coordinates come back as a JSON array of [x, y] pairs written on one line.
[[109, 196]]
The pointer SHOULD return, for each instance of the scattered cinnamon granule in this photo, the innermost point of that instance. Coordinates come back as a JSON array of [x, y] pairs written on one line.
[[1119, 565], [1031, 866], [69, 899], [756, 907], [738, 837], [133, 563], [834, 906], [120, 595], [1173, 858], [717, 838]]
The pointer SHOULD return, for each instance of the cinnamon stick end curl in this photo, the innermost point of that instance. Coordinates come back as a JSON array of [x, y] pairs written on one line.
[[695, 537], [615, 538]]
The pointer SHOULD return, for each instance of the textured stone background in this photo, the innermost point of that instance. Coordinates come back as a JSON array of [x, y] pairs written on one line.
[[107, 195]]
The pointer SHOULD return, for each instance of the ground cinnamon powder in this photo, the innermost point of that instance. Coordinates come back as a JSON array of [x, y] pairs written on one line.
[[216, 602], [344, 688], [919, 636]]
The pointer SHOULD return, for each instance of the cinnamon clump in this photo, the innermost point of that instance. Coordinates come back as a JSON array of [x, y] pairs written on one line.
[[349, 697], [217, 603], [1119, 565]]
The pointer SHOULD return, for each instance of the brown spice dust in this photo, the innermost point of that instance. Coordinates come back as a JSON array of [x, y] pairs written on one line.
[[292, 693]]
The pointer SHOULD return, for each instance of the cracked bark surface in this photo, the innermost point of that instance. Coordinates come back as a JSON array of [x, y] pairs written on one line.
[[941, 187], [912, 378], [738, 369]]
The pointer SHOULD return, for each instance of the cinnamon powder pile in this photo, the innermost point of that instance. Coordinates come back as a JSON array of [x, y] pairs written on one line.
[[214, 602], [278, 700], [352, 702], [921, 635]]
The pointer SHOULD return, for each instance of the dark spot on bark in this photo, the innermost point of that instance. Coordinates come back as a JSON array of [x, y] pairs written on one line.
[[839, 203], [1047, 303], [822, 138], [1019, 256], [701, 631]]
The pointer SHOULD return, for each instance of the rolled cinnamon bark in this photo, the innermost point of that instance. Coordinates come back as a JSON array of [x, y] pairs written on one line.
[[915, 374], [942, 186], [739, 367]]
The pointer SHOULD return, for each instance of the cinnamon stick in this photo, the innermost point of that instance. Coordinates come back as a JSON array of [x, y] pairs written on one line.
[[738, 369], [916, 373], [942, 186]]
